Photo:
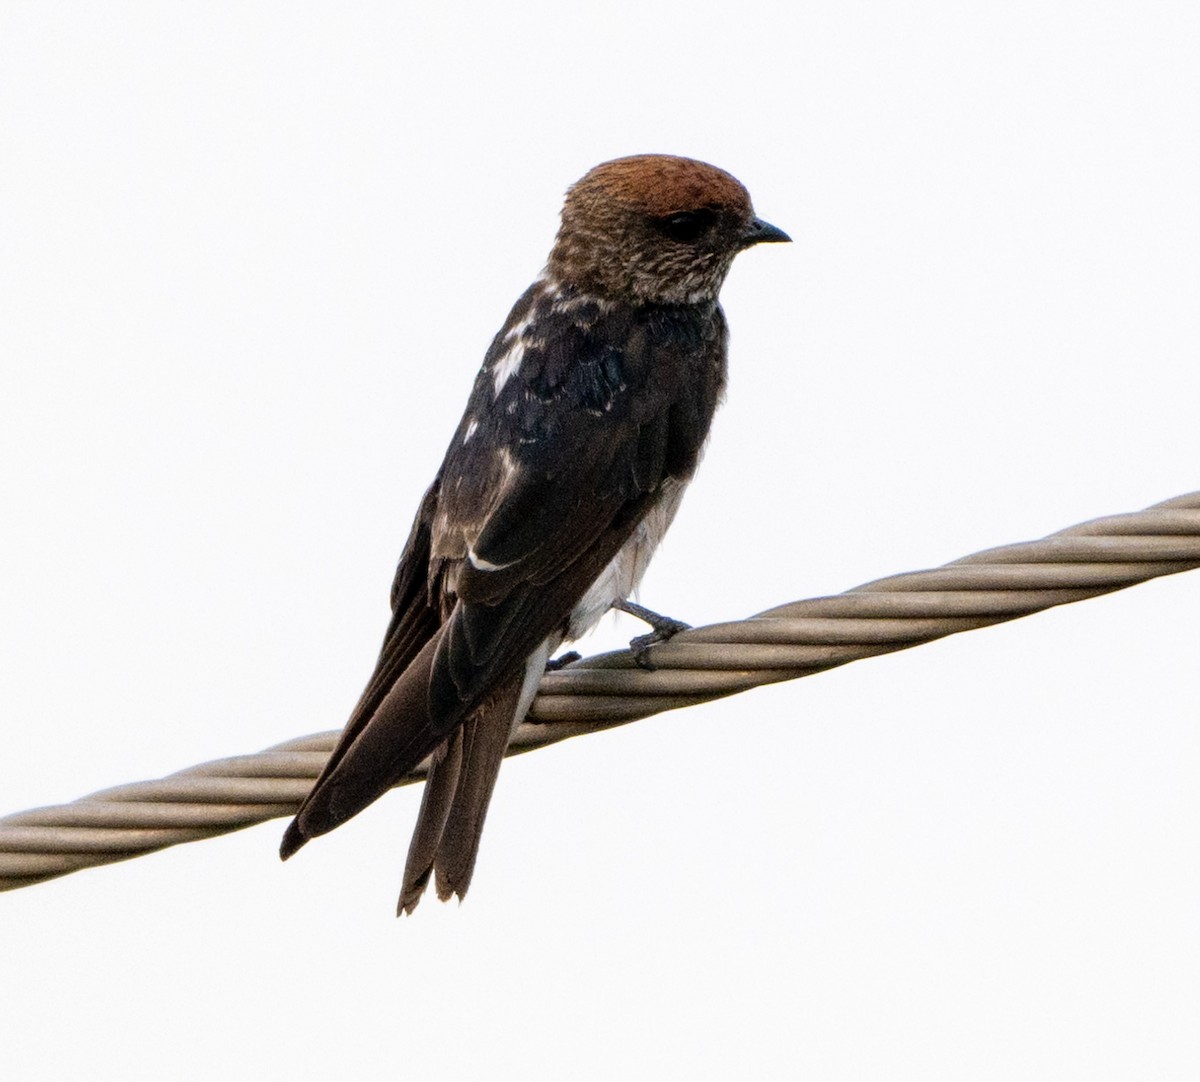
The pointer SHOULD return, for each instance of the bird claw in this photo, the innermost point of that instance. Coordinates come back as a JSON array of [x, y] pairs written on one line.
[[662, 629], [556, 663]]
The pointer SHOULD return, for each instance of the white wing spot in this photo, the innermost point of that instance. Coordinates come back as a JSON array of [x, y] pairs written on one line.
[[508, 365], [508, 471], [472, 428], [519, 329], [508, 464], [480, 564]]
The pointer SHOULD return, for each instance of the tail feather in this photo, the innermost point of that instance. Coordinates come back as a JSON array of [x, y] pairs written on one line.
[[484, 738], [459, 789], [440, 785]]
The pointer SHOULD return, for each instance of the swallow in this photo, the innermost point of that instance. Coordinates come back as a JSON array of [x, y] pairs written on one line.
[[584, 426]]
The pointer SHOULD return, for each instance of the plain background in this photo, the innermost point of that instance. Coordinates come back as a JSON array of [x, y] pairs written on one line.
[[250, 257]]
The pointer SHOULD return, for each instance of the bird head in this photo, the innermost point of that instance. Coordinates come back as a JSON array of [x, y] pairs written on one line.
[[655, 228]]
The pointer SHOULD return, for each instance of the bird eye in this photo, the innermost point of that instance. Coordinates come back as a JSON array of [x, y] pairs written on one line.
[[687, 226]]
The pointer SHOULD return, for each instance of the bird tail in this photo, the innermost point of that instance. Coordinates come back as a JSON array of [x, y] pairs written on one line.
[[457, 792], [459, 788]]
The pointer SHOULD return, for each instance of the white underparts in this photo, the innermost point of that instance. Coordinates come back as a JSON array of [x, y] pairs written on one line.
[[623, 573], [535, 667]]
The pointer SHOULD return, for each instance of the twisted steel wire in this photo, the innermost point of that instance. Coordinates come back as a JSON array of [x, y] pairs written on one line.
[[597, 693]]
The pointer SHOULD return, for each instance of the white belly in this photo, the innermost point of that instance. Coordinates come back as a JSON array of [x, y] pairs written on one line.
[[620, 578]]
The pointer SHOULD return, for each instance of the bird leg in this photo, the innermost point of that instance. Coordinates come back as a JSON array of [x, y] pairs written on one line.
[[662, 628]]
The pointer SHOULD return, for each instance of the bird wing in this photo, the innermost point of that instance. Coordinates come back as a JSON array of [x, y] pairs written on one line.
[[562, 463], [416, 621], [549, 473]]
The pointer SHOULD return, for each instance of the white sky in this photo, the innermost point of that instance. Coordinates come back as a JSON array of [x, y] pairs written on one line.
[[250, 257]]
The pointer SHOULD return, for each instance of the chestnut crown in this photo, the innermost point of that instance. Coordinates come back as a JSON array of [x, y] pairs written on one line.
[[655, 228]]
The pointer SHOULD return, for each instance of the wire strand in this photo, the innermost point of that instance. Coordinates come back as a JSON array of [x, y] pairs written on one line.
[[600, 692]]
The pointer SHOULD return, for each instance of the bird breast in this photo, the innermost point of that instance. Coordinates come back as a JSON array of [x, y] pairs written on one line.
[[620, 578]]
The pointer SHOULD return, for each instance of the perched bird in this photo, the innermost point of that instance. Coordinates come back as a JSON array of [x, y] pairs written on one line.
[[584, 426]]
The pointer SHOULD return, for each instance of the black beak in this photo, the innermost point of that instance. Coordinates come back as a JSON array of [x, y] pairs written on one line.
[[760, 232]]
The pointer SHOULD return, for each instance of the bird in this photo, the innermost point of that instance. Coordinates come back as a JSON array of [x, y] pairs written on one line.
[[583, 428]]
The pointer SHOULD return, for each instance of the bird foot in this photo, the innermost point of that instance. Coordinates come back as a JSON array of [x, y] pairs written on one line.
[[556, 663], [662, 628]]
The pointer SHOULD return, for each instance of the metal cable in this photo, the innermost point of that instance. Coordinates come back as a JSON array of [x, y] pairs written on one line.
[[596, 693]]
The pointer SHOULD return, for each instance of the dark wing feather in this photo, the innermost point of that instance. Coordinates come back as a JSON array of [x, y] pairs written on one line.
[[567, 459], [547, 476], [415, 623], [485, 641], [396, 737]]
